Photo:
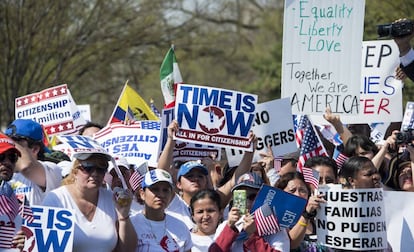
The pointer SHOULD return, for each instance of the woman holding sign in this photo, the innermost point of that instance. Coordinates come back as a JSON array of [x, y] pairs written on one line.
[[100, 224]]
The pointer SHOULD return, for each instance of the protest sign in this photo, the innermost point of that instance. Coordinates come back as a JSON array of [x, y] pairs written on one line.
[[137, 142], [215, 116], [183, 150], [408, 119], [352, 219], [54, 108], [51, 230], [400, 220], [85, 110], [273, 126], [70, 145], [321, 55], [289, 207], [380, 92]]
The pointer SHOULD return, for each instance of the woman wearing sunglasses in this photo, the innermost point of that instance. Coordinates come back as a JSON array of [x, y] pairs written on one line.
[[100, 223]]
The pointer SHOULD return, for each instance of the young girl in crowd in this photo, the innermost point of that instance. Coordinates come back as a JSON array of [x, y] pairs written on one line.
[[156, 230], [207, 215]]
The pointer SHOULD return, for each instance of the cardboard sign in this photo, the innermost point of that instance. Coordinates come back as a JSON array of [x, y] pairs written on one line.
[[321, 56], [78, 144], [54, 108], [289, 207], [215, 116], [137, 142], [183, 150], [273, 125], [51, 230], [380, 92], [352, 219]]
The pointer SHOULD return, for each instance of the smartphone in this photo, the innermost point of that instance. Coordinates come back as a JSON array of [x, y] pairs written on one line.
[[239, 200]]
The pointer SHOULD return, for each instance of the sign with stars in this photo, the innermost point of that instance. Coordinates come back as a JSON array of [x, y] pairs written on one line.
[[54, 108]]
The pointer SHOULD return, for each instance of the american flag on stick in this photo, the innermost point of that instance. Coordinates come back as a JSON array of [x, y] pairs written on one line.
[[137, 176], [311, 176], [9, 205], [308, 141], [26, 211], [266, 221], [6, 236]]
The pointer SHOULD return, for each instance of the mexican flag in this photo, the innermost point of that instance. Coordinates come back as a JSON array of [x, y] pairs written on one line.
[[170, 76]]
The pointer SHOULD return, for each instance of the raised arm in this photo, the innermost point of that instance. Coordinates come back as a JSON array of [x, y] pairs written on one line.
[[335, 121], [166, 157]]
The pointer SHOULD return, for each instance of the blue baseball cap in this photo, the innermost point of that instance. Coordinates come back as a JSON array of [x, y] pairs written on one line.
[[25, 128], [188, 166], [155, 176]]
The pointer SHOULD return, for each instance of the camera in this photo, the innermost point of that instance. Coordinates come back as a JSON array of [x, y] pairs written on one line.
[[395, 30], [405, 137]]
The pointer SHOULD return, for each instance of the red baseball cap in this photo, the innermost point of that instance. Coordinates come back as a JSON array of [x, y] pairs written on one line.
[[6, 144]]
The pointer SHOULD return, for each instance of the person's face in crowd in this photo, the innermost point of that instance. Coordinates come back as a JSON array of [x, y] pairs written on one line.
[[405, 178], [8, 160], [287, 165], [367, 177], [90, 173], [90, 131], [298, 188], [116, 181], [193, 181], [157, 196], [364, 153], [215, 169], [206, 215], [326, 174]]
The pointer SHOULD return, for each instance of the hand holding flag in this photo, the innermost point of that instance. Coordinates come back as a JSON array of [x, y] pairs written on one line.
[[266, 221]]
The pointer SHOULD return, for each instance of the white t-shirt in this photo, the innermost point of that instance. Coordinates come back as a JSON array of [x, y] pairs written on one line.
[[279, 241], [98, 235], [171, 234], [34, 194], [180, 210], [201, 243]]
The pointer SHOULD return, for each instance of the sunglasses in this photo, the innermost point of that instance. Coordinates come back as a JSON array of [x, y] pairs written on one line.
[[90, 167], [12, 157]]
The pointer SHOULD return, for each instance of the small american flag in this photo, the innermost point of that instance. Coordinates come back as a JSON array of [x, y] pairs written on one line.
[[135, 180], [26, 211], [309, 143], [154, 109], [9, 205], [311, 176], [340, 160], [266, 221], [137, 176], [6, 236]]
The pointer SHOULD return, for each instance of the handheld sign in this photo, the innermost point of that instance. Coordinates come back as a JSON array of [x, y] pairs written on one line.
[[51, 230], [321, 63], [215, 116], [54, 108], [288, 207], [137, 142], [352, 219]]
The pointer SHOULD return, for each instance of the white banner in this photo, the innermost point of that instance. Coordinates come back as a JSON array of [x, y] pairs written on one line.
[[352, 219], [321, 55]]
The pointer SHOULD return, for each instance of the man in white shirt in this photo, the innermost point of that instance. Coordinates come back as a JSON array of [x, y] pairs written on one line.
[[33, 178]]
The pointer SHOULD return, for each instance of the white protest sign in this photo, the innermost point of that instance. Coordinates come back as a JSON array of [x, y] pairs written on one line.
[[352, 219], [400, 220], [53, 108], [137, 142], [273, 126], [184, 150], [72, 145], [85, 110], [321, 55], [51, 230], [215, 116], [380, 92]]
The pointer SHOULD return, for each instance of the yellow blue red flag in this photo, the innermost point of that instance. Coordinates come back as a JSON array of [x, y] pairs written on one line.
[[131, 107]]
